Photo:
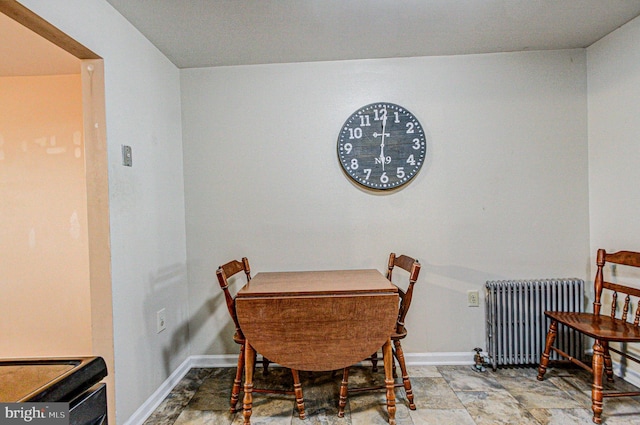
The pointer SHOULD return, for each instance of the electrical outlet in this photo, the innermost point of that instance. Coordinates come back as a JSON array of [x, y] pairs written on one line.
[[161, 320], [473, 298], [127, 158]]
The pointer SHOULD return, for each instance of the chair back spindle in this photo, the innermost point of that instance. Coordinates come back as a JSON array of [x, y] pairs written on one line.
[[614, 304], [625, 309], [636, 321]]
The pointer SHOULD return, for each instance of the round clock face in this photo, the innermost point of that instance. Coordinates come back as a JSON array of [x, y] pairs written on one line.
[[382, 146]]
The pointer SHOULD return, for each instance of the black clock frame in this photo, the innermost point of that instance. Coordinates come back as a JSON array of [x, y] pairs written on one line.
[[378, 153]]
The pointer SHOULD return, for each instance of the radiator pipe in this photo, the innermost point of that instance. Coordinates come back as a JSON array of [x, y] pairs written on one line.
[[479, 360]]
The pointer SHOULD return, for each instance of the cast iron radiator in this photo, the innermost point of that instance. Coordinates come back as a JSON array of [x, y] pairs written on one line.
[[516, 325]]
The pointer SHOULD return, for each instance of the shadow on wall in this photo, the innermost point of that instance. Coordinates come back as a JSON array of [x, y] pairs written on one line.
[[167, 292], [213, 309], [180, 337], [461, 273], [216, 309]]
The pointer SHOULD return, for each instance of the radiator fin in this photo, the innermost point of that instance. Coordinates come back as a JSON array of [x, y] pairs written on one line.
[[516, 324]]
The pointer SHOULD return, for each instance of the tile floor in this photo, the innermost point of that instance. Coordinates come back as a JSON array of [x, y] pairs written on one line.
[[444, 395]]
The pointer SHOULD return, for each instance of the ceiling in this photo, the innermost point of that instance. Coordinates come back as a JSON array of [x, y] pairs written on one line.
[[204, 33]]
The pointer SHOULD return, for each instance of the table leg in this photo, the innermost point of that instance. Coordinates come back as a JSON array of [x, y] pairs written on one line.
[[297, 389], [249, 364], [389, 381]]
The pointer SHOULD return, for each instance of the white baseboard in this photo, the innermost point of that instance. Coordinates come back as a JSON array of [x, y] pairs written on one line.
[[147, 408], [411, 359], [224, 360], [438, 359], [231, 360]]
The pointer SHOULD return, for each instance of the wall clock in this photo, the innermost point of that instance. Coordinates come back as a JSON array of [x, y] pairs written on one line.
[[382, 146]]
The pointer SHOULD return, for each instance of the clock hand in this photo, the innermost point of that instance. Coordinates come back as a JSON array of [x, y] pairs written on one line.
[[384, 125]]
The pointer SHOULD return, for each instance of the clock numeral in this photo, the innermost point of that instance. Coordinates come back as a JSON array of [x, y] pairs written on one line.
[[400, 172], [348, 147], [367, 171], [364, 121], [409, 126], [380, 114], [397, 120], [384, 178], [355, 133], [411, 160], [354, 163], [416, 144]]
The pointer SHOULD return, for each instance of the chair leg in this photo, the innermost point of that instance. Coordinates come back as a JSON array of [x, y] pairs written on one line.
[[405, 375], [265, 366], [297, 389], [387, 353], [344, 388], [596, 389], [250, 365], [393, 363], [374, 362], [608, 366], [255, 357], [235, 390], [544, 361]]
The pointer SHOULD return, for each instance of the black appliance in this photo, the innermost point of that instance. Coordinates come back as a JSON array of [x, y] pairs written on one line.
[[73, 380]]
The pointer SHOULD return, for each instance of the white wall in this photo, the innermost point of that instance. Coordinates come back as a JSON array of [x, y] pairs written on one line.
[[614, 147], [503, 193], [146, 201]]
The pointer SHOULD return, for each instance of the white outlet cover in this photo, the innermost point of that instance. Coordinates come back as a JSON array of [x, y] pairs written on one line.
[[473, 298], [161, 321]]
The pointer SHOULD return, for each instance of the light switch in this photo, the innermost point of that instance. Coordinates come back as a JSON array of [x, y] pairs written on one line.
[[127, 159]]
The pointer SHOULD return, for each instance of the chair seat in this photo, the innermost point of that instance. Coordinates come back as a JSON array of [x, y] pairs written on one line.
[[599, 327], [238, 339], [396, 335]]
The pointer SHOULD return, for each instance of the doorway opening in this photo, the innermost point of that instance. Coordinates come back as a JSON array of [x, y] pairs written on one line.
[[96, 299]]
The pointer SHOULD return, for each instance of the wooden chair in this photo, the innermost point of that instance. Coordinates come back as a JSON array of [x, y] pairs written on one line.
[[602, 328], [223, 273], [411, 266]]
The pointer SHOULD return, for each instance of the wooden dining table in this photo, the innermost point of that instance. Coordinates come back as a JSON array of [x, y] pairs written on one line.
[[317, 321]]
